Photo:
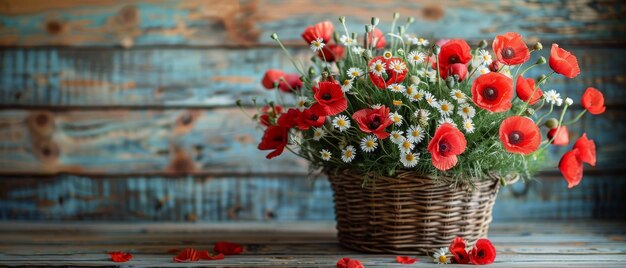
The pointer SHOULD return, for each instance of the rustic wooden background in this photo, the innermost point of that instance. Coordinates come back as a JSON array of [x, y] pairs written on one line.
[[124, 110]]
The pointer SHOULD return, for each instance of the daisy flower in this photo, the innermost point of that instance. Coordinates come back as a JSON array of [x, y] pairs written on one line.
[[553, 97], [396, 136], [397, 88], [318, 134], [445, 108], [387, 55], [325, 154], [406, 146], [348, 154], [346, 40], [378, 67], [483, 70], [416, 57], [397, 66], [444, 120], [354, 72], [468, 125], [396, 118], [369, 143], [346, 85], [458, 96], [422, 114], [441, 256], [410, 90], [358, 50], [415, 134], [317, 44], [430, 99], [418, 96], [409, 159], [421, 42], [466, 111], [485, 57], [569, 101], [341, 122], [302, 101]]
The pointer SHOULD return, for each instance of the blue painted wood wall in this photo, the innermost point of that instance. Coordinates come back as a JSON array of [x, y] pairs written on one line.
[[124, 110]]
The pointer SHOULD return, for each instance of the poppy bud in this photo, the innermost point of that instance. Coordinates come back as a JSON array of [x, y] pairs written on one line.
[[336, 37], [482, 44], [436, 49], [312, 71], [274, 36], [410, 20], [450, 82], [541, 78], [396, 15], [354, 36], [368, 54], [538, 46], [375, 21], [401, 30], [541, 60], [342, 19], [414, 80], [551, 123]]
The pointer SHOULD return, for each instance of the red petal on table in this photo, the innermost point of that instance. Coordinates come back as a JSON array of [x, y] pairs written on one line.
[[406, 259], [227, 248], [120, 256], [349, 263], [205, 255], [187, 255]]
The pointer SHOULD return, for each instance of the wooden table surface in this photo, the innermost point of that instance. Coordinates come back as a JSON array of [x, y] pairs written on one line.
[[526, 244]]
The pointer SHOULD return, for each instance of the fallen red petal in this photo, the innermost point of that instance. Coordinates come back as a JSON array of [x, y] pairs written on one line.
[[205, 255], [349, 263], [187, 255], [227, 248], [120, 256], [406, 259]]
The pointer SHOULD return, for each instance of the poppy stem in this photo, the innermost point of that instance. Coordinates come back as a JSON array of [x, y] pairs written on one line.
[[293, 62], [558, 129], [576, 119]]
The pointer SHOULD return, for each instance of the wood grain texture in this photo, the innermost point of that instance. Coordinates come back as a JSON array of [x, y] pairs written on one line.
[[250, 22], [176, 77], [305, 244]]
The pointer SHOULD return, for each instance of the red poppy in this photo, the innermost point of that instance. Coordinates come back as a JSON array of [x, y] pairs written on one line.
[[586, 149], [493, 92], [349, 263], [310, 118], [457, 248], [561, 138], [330, 99], [291, 83], [227, 248], [269, 114], [187, 255], [289, 119], [120, 256], [458, 69], [483, 252], [373, 121], [526, 91], [406, 259], [454, 51], [563, 62], [272, 78], [593, 101], [571, 167], [331, 53], [519, 135], [322, 30], [275, 138], [379, 39], [444, 147], [393, 75], [510, 49]]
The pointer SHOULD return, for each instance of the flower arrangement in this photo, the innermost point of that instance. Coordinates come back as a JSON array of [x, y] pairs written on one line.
[[394, 102]]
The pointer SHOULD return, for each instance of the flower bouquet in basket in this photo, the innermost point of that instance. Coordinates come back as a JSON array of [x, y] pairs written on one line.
[[417, 137]]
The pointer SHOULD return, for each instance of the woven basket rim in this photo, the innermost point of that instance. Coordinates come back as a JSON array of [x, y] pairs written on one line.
[[508, 179]]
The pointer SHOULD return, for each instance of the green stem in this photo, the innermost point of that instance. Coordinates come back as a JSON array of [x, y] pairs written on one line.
[[575, 119]]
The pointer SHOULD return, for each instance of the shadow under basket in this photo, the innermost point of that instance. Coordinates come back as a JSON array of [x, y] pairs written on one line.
[[409, 213]]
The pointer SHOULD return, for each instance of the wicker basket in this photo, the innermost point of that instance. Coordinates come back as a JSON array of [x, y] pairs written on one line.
[[408, 213]]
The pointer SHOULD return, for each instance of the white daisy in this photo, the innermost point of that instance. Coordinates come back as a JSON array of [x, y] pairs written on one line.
[[483, 70], [430, 99], [409, 159], [358, 50], [458, 96], [410, 90], [444, 120], [569, 101], [346, 85], [317, 44], [418, 96], [421, 42], [302, 101], [378, 67], [397, 66], [485, 56], [415, 134], [422, 114], [445, 108], [348, 154], [406, 146], [466, 111], [341, 122], [416, 57], [397, 88], [346, 40], [325, 154], [376, 106], [387, 55], [553, 97], [369, 143], [354, 72], [396, 136], [468, 125], [396, 118], [441, 256], [318, 134]]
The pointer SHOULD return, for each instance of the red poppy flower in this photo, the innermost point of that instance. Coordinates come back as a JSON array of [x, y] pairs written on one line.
[[275, 138], [271, 78], [349, 263], [205, 255], [458, 69], [457, 248], [526, 91], [187, 255], [373, 121], [593, 101], [493, 92], [291, 83], [322, 30], [406, 259], [519, 135], [289, 119], [331, 53], [269, 114], [444, 147], [330, 99], [563, 62], [310, 118], [510, 49], [483, 252], [227, 248], [395, 69], [571, 167], [586, 149], [562, 136], [454, 51], [120, 256], [379, 39]]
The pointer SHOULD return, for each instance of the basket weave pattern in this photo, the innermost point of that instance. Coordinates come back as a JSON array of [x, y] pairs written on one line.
[[408, 213]]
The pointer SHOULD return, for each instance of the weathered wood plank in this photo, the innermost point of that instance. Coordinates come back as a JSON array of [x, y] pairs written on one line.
[[225, 22], [173, 77]]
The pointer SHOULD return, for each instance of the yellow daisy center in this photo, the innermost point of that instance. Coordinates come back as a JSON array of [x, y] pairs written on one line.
[[348, 154], [341, 122], [466, 110], [396, 118], [416, 57], [445, 107], [346, 82], [410, 157], [458, 95], [415, 133], [379, 68], [443, 259], [355, 74], [369, 144], [406, 144]]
